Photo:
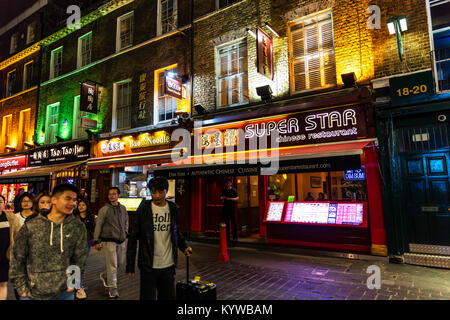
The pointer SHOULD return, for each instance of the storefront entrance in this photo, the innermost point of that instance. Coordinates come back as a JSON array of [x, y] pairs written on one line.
[[247, 211], [426, 183]]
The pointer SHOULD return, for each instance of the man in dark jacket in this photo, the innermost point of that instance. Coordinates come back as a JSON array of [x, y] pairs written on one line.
[[46, 246], [156, 229]]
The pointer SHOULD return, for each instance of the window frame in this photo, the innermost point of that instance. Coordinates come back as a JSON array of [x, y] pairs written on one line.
[[157, 97], [22, 126], [319, 52], [8, 93], [242, 101], [48, 122], [159, 17], [80, 52], [5, 130], [33, 27], [52, 62], [114, 120], [26, 85], [13, 49], [129, 15]]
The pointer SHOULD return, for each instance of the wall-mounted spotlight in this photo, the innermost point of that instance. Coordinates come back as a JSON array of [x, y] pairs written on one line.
[[28, 144], [398, 25], [199, 109], [10, 148], [349, 79], [265, 92], [250, 32], [272, 30]]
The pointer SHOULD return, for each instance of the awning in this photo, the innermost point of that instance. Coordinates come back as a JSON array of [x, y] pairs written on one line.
[[36, 174], [144, 158], [309, 158]]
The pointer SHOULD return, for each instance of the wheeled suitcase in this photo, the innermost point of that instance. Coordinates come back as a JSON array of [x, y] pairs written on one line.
[[195, 290]]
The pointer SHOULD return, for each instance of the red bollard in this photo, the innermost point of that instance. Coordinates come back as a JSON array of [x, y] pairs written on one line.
[[223, 255]]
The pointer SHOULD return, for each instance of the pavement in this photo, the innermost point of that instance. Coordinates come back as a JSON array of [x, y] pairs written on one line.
[[259, 274]]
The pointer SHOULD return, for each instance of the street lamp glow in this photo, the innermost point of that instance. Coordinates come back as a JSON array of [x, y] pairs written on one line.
[[403, 24], [251, 33], [391, 26]]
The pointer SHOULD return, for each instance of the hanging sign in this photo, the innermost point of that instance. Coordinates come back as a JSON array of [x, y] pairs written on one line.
[[89, 98], [173, 86], [64, 153], [265, 53]]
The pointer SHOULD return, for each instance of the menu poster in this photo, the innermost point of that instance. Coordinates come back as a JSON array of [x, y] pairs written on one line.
[[335, 213], [274, 212]]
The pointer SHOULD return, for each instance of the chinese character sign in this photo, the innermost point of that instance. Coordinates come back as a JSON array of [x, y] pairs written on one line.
[[89, 97], [265, 54]]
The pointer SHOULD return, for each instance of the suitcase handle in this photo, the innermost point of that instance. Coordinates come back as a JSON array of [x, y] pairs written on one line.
[[187, 269]]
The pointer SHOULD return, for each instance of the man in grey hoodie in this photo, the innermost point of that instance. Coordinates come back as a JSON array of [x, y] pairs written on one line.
[[46, 246], [111, 229]]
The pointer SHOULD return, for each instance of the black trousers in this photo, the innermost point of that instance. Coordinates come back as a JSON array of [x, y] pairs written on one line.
[[230, 221], [158, 283]]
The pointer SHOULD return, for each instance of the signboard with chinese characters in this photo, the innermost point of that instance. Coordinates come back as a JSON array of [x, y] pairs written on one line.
[[63, 153], [89, 98], [265, 53], [132, 144], [307, 127], [173, 86], [8, 165]]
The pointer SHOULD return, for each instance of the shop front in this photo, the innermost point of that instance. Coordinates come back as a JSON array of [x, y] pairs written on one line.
[[127, 162], [51, 165], [316, 168], [9, 190]]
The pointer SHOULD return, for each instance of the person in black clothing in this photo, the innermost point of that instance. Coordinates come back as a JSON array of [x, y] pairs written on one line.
[[17, 199], [156, 228], [230, 198], [83, 214]]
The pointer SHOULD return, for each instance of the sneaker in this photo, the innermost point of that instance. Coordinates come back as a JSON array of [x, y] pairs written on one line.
[[81, 294], [113, 294]]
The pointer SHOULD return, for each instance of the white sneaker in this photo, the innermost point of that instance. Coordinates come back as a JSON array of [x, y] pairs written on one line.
[[81, 294], [113, 294]]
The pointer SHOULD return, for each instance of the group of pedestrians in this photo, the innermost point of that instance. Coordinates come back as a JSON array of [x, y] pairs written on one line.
[[53, 232]]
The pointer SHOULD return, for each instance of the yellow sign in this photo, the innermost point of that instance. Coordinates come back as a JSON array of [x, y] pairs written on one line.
[[131, 204]]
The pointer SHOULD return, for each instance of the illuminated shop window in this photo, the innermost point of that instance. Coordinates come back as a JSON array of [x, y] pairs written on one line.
[[124, 31], [56, 63], [347, 185], [232, 74], [84, 50], [167, 16], [311, 48], [52, 123]]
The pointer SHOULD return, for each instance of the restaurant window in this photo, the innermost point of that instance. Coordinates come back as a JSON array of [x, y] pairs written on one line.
[[6, 132], [165, 105], [124, 31], [84, 50], [78, 131], [31, 32], [232, 74], [14, 43], [56, 63], [311, 47], [122, 105], [25, 128], [335, 186], [52, 123], [10, 83], [167, 16], [28, 75]]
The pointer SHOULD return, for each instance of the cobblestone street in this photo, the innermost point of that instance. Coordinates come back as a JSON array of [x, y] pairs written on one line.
[[253, 274]]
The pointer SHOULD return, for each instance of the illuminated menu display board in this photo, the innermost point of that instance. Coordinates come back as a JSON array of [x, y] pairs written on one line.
[[274, 211], [131, 204], [337, 213]]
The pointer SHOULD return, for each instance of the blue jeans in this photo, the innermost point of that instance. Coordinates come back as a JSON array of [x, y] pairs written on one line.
[[66, 295]]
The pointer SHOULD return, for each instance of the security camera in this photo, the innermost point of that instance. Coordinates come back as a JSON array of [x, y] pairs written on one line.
[[442, 117]]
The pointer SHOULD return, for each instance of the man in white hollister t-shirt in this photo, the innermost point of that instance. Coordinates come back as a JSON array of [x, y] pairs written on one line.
[[156, 229]]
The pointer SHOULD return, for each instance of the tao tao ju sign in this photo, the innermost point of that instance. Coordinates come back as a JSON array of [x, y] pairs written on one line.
[[89, 98]]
